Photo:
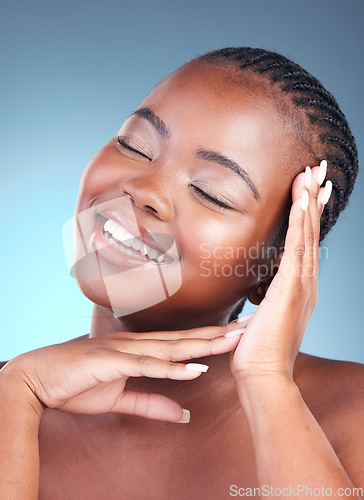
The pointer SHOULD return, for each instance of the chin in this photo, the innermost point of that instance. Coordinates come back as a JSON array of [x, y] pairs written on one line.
[[126, 293], [95, 291]]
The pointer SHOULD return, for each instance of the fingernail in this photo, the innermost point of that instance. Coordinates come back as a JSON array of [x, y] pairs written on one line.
[[327, 192], [196, 367], [304, 200], [322, 172], [185, 417], [232, 333], [308, 177], [243, 318]]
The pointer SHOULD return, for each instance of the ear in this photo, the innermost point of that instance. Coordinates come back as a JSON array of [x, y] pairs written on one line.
[[258, 291], [257, 294]]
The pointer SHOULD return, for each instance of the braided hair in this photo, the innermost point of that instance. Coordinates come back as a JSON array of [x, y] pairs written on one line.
[[326, 131]]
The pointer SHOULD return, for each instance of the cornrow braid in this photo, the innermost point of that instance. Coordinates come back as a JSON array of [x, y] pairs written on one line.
[[307, 94], [328, 130]]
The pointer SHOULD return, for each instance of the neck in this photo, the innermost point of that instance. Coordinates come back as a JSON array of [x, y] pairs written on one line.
[[209, 390]]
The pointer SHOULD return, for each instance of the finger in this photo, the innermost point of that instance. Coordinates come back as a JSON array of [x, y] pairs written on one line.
[[180, 349], [317, 175], [110, 365], [294, 249], [242, 321], [204, 332], [298, 186], [311, 226], [308, 265], [325, 192], [152, 406], [113, 398], [324, 196]]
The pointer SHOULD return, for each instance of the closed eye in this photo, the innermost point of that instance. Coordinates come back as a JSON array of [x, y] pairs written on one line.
[[127, 146], [212, 199]]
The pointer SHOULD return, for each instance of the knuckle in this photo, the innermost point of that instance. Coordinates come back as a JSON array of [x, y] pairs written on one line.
[[173, 350], [311, 238], [173, 357], [314, 194], [173, 342], [299, 252], [143, 359]]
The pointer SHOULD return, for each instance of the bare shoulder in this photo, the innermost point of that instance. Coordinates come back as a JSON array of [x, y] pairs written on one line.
[[324, 382], [315, 375], [334, 393]]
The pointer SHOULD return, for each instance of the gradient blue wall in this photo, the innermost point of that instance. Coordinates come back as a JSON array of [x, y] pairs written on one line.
[[70, 74]]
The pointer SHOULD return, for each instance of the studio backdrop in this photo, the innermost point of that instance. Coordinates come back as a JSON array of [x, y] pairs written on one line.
[[71, 72]]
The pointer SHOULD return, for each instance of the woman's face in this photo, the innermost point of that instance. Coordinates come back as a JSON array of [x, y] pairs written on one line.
[[206, 162]]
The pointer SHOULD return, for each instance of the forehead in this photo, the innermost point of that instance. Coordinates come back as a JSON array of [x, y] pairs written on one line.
[[214, 89], [212, 107]]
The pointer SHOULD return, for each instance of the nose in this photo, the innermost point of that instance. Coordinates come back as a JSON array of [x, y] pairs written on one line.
[[149, 194]]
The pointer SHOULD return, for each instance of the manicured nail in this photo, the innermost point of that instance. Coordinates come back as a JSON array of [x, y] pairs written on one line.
[[232, 333], [322, 172], [327, 192], [197, 367], [244, 317], [308, 177], [304, 200], [185, 417]]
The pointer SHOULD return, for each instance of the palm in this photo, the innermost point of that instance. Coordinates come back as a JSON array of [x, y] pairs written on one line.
[[273, 337]]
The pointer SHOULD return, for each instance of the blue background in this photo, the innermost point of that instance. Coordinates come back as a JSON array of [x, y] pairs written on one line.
[[71, 72]]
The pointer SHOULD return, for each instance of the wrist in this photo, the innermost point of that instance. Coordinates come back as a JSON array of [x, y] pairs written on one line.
[[254, 388], [260, 380], [16, 395]]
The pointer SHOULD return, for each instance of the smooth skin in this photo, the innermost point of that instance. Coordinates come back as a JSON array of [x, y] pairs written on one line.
[[264, 413]]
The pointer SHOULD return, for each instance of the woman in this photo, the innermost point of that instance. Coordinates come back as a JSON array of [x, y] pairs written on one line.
[[212, 160]]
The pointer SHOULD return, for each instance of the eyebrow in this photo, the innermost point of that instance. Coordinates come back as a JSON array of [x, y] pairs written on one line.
[[232, 165], [152, 118], [205, 154]]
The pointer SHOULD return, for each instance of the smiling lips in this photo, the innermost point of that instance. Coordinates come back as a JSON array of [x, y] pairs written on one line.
[[121, 239], [116, 231]]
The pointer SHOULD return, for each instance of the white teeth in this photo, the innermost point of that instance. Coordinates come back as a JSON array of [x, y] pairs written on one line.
[[127, 239], [129, 242], [107, 225], [128, 251], [119, 233], [153, 254], [113, 226], [137, 244]]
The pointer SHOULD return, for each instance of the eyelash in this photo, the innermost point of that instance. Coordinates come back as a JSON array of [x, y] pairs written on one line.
[[124, 145], [212, 199]]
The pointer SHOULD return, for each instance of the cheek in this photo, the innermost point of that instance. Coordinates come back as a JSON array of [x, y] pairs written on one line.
[[202, 233], [101, 175], [218, 253]]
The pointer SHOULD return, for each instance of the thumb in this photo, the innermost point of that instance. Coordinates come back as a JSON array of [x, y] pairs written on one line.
[[297, 187], [152, 406]]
